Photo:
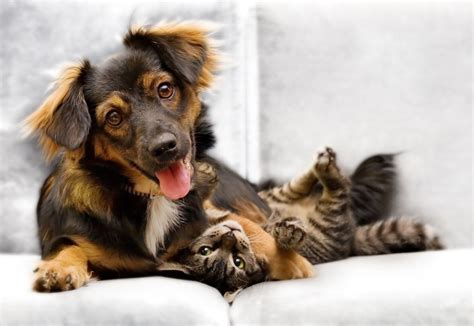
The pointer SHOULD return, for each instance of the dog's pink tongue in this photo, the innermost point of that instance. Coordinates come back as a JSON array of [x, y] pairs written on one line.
[[175, 181]]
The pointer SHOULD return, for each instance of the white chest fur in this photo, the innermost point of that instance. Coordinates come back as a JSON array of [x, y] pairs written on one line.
[[162, 216]]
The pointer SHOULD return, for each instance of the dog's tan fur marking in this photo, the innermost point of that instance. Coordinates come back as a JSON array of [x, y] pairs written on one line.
[[80, 191], [66, 270], [151, 80], [109, 259], [193, 110], [114, 102], [251, 211], [283, 264], [118, 103], [104, 150], [41, 119]]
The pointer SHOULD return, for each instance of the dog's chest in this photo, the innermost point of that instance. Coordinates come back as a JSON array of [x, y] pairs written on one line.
[[163, 215]]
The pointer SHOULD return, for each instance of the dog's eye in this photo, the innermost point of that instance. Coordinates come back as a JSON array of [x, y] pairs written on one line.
[[114, 118], [165, 90]]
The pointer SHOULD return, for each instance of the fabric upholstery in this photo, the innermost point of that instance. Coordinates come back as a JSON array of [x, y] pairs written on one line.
[[431, 288], [139, 301]]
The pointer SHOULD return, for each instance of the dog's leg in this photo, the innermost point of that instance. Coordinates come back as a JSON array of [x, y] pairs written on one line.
[[66, 270]]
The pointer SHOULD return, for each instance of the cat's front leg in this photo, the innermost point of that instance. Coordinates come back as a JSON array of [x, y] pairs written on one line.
[[289, 232]]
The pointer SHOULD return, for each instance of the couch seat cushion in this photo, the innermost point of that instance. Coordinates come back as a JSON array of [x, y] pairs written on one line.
[[138, 301], [431, 288]]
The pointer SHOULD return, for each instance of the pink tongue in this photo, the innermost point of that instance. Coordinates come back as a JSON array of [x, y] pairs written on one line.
[[175, 181]]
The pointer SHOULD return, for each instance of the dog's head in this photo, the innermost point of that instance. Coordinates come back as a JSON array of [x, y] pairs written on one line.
[[138, 109]]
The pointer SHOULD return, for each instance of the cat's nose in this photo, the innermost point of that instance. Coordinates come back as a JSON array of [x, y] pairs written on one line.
[[229, 240]]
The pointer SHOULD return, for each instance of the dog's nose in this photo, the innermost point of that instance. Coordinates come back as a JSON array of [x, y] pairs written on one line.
[[163, 144]]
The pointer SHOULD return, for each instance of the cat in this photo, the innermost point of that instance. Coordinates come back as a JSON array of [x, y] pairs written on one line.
[[317, 217]]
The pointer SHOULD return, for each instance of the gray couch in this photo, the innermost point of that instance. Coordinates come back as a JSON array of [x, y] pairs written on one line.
[[361, 76]]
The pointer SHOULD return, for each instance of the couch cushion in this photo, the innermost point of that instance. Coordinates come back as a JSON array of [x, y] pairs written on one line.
[[431, 288], [139, 301]]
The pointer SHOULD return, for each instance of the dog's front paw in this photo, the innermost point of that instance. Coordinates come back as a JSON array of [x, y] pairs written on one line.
[[52, 276], [289, 233]]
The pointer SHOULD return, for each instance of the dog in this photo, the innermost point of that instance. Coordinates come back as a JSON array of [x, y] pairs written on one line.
[[125, 135]]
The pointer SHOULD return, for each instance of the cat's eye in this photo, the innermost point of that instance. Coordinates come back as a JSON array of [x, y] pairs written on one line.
[[205, 251], [165, 90], [238, 262], [114, 118]]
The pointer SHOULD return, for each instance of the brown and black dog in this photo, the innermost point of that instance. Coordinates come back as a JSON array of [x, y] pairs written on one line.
[[126, 135]]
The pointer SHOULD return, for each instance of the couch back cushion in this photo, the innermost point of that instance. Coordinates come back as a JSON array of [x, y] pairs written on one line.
[[368, 77]]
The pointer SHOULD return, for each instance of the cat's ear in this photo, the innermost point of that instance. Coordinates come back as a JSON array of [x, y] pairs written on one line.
[[174, 267], [229, 296]]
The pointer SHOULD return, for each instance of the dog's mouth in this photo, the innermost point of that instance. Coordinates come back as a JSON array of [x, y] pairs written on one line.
[[175, 180]]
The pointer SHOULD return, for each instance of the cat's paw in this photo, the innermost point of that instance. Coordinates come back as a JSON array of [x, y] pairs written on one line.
[[52, 275], [325, 161], [206, 172], [206, 180], [289, 233]]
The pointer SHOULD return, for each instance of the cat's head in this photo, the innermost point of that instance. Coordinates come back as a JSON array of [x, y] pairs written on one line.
[[221, 257]]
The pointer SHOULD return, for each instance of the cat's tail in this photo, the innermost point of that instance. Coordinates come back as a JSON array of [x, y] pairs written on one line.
[[373, 188], [394, 235]]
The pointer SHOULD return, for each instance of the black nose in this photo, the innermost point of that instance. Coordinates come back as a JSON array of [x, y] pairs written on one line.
[[164, 144]]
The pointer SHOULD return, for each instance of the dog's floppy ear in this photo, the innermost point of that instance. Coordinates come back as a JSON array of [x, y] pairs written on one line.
[[63, 119], [183, 48]]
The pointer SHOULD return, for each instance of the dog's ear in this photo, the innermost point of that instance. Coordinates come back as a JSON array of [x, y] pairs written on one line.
[[63, 119], [184, 48]]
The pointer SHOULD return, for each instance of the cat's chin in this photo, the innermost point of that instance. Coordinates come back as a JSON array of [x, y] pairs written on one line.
[[232, 225]]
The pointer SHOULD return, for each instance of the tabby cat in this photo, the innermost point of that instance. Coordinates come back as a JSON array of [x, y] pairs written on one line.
[[318, 215]]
